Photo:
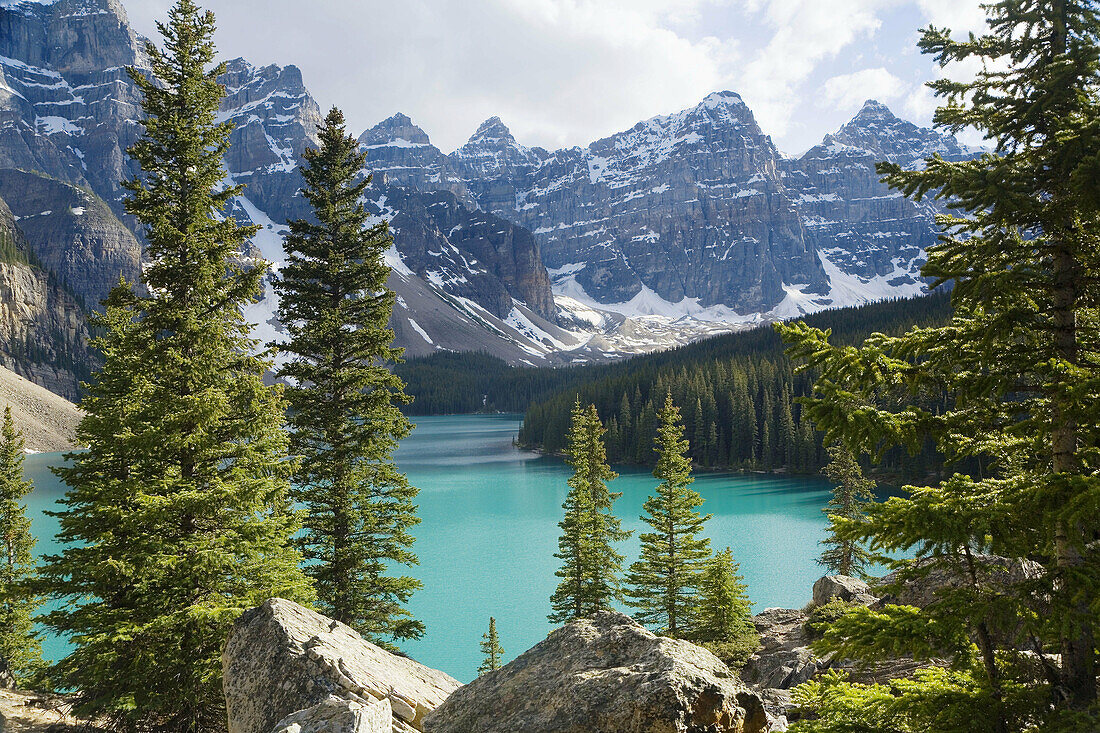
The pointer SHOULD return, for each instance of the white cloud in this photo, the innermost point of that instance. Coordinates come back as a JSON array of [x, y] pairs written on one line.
[[805, 32], [848, 91], [961, 16], [556, 71], [565, 72]]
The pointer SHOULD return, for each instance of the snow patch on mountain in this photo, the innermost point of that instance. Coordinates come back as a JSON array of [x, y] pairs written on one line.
[[645, 303], [262, 312]]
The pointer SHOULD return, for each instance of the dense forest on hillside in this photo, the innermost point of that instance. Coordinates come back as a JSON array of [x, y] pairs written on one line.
[[737, 393]]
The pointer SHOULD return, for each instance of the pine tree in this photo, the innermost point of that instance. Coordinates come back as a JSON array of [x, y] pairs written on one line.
[[344, 405], [177, 517], [662, 583], [1019, 359], [724, 623], [845, 555], [20, 650], [491, 648], [590, 564]]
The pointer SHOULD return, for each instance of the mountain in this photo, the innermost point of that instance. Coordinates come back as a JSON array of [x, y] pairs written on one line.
[[687, 206], [870, 239], [68, 111], [683, 226], [695, 217], [73, 233]]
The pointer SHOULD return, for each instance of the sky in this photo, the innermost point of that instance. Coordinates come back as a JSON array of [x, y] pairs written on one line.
[[561, 73]]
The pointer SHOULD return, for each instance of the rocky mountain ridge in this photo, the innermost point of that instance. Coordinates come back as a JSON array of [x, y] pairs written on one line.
[[685, 225]]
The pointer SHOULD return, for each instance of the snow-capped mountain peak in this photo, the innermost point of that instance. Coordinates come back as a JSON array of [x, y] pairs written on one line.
[[875, 128], [398, 131], [491, 149]]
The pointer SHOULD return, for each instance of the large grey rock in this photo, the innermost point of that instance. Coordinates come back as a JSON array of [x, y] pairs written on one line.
[[605, 674], [921, 584], [844, 587], [282, 658], [337, 715], [784, 659]]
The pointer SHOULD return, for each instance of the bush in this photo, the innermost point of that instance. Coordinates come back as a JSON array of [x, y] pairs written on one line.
[[822, 617]]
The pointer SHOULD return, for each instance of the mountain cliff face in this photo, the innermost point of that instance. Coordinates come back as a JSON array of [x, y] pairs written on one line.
[[67, 107], [470, 254], [688, 205], [72, 233], [43, 331], [275, 120], [866, 234]]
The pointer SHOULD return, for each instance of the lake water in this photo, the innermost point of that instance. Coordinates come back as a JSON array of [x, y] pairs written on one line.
[[489, 533]]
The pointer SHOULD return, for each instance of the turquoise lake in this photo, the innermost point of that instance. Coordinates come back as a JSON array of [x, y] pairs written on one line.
[[489, 532]]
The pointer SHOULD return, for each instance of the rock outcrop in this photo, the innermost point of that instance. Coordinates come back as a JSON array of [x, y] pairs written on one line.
[[844, 587], [784, 659], [282, 659], [921, 584], [336, 715], [606, 673]]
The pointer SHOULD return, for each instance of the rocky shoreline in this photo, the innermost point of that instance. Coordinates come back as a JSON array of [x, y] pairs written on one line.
[[288, 669]]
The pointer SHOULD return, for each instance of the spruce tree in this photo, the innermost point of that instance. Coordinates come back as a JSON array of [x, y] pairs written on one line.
[[724, 618], [663, 582], [345, 400], [1018, 359], [20, 650], [843, 554], [590, 564], [177, 517], [491, 648]]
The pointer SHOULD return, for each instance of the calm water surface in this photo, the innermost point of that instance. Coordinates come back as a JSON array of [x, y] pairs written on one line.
[[489, 533]]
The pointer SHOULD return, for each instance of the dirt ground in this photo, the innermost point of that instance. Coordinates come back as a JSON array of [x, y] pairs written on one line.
[[48, 421], [32, 712]]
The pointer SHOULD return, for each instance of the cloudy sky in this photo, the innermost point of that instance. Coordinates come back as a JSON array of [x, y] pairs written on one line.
[[566, 72]]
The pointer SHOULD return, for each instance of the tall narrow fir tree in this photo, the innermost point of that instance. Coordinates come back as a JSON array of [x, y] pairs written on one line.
[[590, 564], [344, 403], [1019, 359], [491, 650], [20, 649], [852, 492], [724, 617], [663, 582], [177, 517]]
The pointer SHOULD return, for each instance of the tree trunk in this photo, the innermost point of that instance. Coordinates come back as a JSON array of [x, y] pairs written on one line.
[[1077, 644]]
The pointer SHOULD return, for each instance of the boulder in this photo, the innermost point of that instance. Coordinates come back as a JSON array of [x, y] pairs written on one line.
[[920, 583], [282, 658], [336, 715], [784, 658], [844, 587], [605, 674]]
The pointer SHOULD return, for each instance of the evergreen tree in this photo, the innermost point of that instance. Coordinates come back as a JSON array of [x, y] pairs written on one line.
[[20, 650], [845, 555], [344, 405], [1019, 358], [491, 648], [177, 516], [662, 583], [590, 564], [724, 624]]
